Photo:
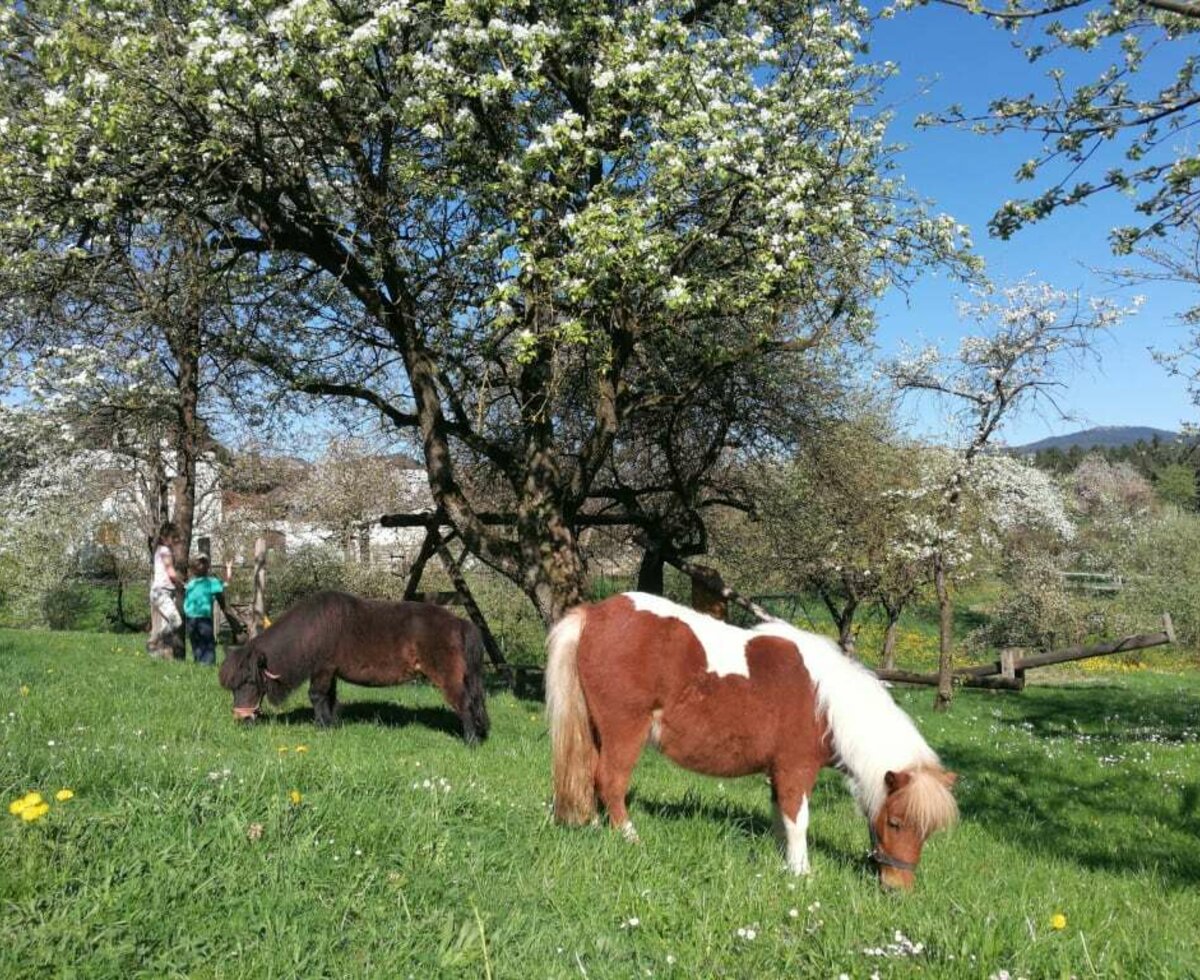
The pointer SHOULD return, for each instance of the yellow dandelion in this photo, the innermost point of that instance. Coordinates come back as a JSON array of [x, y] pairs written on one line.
[[281, 749], [24, 690], [36, 812], [295, 797], [301, 748], [26, 802], [1058, 921], [64, 794], [266, 622]]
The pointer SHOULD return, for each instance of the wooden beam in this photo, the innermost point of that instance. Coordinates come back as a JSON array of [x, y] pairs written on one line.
[[1139, 642], [428, 549], [931, 680], [453, 569]]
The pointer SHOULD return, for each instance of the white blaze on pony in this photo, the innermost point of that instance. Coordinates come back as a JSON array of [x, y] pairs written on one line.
[[731, 702]]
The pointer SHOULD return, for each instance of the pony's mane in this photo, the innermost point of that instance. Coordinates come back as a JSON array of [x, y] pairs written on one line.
[[870, 735], [927, 802]]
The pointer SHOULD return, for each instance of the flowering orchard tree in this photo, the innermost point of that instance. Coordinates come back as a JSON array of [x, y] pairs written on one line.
[[1029, 334], [830, 515], [120, 339], [514, 230], [50, 493], [1121, 130]]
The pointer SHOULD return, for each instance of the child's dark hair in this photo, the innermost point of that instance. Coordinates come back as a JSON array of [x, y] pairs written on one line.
[[198, 566], [169, 531]]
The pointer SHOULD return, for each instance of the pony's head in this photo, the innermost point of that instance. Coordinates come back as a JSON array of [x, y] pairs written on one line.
[[243, 673], [918, 802]]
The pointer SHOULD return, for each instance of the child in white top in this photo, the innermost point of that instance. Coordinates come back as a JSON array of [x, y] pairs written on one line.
[[165, 641]]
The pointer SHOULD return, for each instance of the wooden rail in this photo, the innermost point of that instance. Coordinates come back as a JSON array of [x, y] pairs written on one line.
[[1008, 673]]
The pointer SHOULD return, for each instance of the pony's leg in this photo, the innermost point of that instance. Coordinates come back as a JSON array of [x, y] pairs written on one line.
[[619, 751], [322, 692], [791, 793], [454, 691]]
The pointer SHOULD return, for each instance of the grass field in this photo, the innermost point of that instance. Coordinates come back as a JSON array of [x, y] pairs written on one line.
[[182, 852]]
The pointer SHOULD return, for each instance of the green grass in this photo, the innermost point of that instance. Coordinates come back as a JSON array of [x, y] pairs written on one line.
[[1082, 799]]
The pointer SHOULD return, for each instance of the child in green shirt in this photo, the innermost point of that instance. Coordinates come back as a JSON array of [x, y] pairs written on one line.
[[202, 590]]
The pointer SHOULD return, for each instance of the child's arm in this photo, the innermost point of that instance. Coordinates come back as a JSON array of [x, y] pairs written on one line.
[[169, 567], [235, 624]]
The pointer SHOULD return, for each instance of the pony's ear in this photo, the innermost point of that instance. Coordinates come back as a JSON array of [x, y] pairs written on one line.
[[949, 778], [896, 780]]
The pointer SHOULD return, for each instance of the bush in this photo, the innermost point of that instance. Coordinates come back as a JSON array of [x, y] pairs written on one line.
[[1035, 610], [302, 572], [67, 606], [1163, 575]]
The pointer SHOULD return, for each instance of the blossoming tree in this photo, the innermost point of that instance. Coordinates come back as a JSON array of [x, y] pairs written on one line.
[[513, 230], [1118, 131], [1028, 334]]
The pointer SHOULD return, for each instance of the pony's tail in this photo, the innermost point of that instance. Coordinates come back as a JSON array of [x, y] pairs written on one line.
[[572, 747], [476, 723]]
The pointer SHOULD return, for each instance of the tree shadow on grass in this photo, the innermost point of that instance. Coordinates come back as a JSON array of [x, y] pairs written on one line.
[[1121, 815], [382, 713], [1167, 714]]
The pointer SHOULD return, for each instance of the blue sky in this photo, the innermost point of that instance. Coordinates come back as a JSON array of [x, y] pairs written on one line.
[[962, 59]]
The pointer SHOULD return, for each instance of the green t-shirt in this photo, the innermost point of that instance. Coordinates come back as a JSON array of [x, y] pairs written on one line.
[[199, 594]]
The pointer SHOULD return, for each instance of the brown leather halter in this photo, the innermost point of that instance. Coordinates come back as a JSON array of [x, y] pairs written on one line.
[[881, 857]]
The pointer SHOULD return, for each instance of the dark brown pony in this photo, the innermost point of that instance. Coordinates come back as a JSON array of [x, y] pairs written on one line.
[[332, 635], [729, 702]]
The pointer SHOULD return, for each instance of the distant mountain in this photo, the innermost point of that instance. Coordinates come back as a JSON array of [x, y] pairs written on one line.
[[1101, 437]]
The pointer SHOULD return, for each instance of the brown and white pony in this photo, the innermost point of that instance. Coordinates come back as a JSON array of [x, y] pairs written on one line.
[[729, 702]]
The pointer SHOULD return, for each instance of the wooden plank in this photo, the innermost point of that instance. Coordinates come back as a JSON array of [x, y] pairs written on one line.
[[931, 680], [1141, 641]]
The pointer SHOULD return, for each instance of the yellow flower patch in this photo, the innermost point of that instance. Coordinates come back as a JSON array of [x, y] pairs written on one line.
[[64, 794], [1058, 921], [295, 797], [29, 807]]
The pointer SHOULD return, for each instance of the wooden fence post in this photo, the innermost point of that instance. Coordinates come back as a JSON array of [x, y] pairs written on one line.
[[1008, 666], [258, 608]]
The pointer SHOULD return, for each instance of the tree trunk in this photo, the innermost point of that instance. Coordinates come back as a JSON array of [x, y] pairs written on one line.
[[889, 637], [186, 344], [364, 545], [945, 689], [845, 625], [650, 572], [843, 617], [555, 573]]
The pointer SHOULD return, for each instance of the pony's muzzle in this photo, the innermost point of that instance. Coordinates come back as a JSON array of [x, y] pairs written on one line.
[[894, 879], [245, 714]]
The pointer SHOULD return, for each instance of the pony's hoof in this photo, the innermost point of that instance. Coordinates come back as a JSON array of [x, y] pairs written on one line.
[[629, 833]]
